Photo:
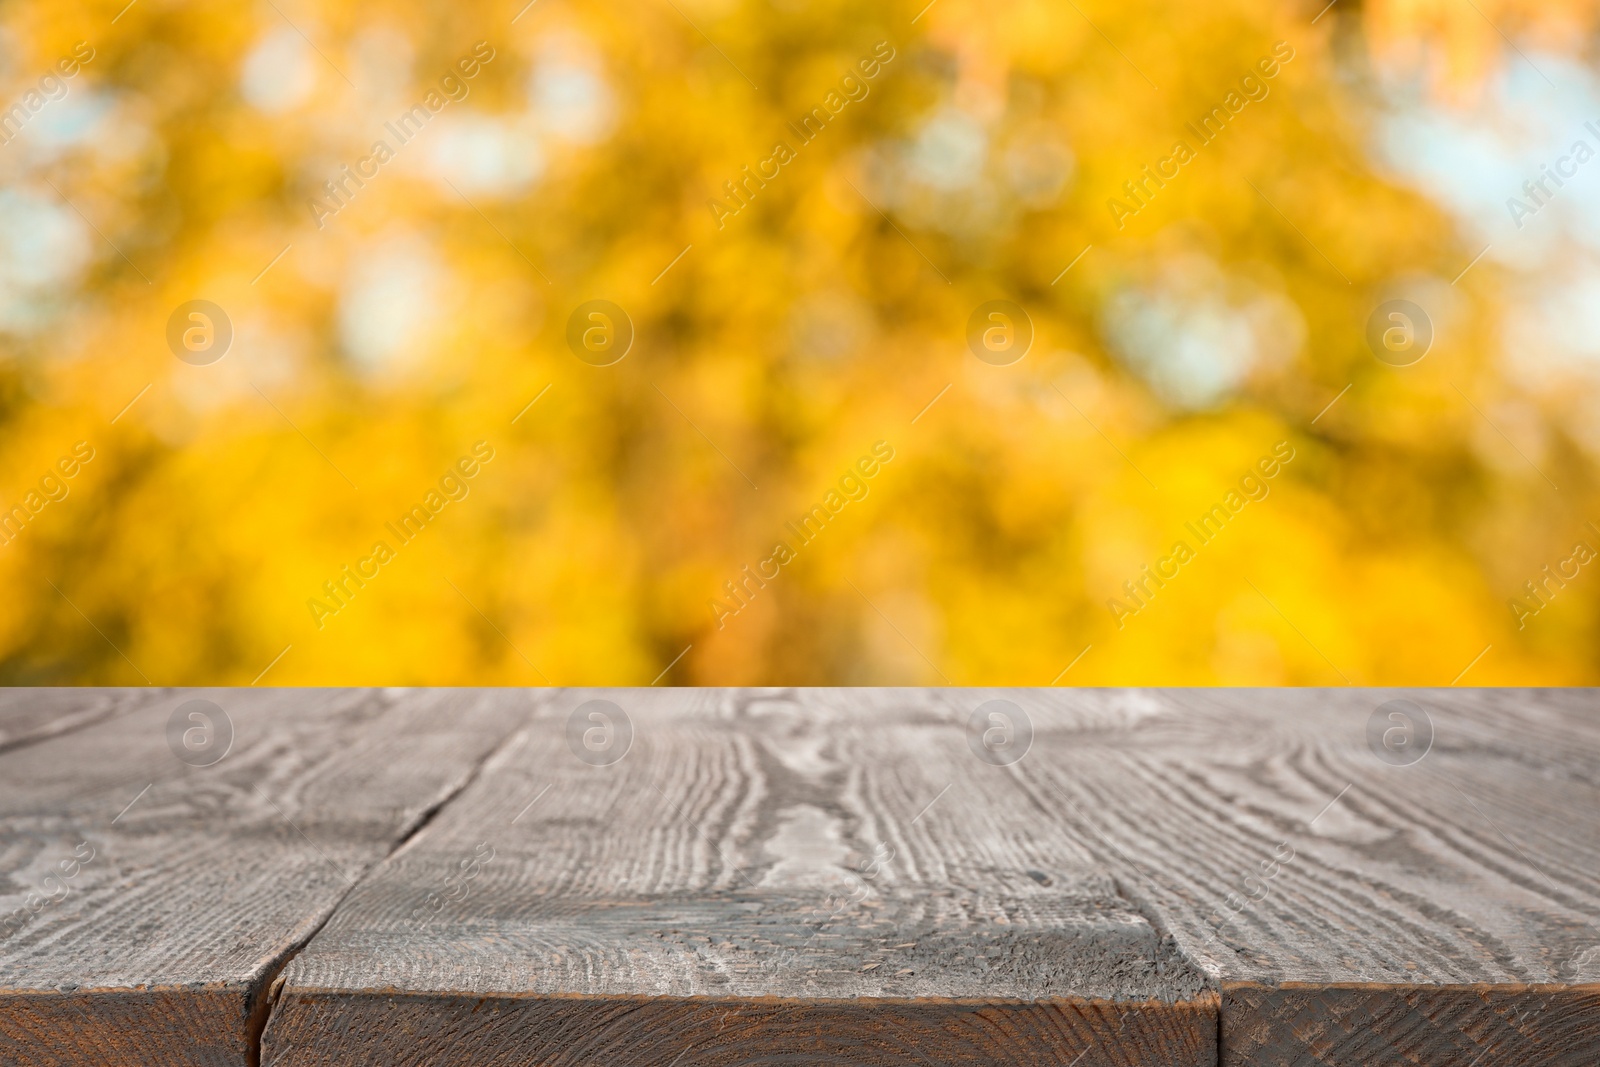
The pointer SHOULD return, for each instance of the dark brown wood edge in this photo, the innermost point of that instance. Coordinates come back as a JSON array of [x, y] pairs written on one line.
[[510, 1030], [1355, 1024], [127, 1026]]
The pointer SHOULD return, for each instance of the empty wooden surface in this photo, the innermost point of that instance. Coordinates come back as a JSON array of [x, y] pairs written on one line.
[[190, 885], [32, 714], [1164, 877], [765, 877], [1354, 911]]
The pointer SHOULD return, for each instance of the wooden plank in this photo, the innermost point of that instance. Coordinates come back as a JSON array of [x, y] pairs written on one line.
[[1357, 908], [764, 877], [1183, 877], [502, 1030], [31, 713], [1499, 1025], [161, 888]]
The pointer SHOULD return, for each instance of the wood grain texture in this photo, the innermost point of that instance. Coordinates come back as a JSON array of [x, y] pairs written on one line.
[[31, 713], [766, 877], [158, 899], [411, 1029], [1476, 1026], [1355, 912], [815, 876]]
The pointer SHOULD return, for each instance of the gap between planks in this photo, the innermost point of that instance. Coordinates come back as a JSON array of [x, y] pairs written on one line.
[[272, 981]]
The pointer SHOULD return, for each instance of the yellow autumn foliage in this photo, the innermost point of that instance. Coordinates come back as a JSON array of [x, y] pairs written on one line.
[[805, 303]]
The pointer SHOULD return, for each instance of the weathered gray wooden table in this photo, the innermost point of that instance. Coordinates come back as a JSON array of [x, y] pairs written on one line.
[[720, 877]]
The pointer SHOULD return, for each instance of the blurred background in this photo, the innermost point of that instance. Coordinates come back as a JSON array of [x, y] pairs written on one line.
[[214, 492]]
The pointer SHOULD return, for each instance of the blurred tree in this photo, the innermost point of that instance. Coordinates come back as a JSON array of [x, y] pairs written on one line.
[[969, 153]]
